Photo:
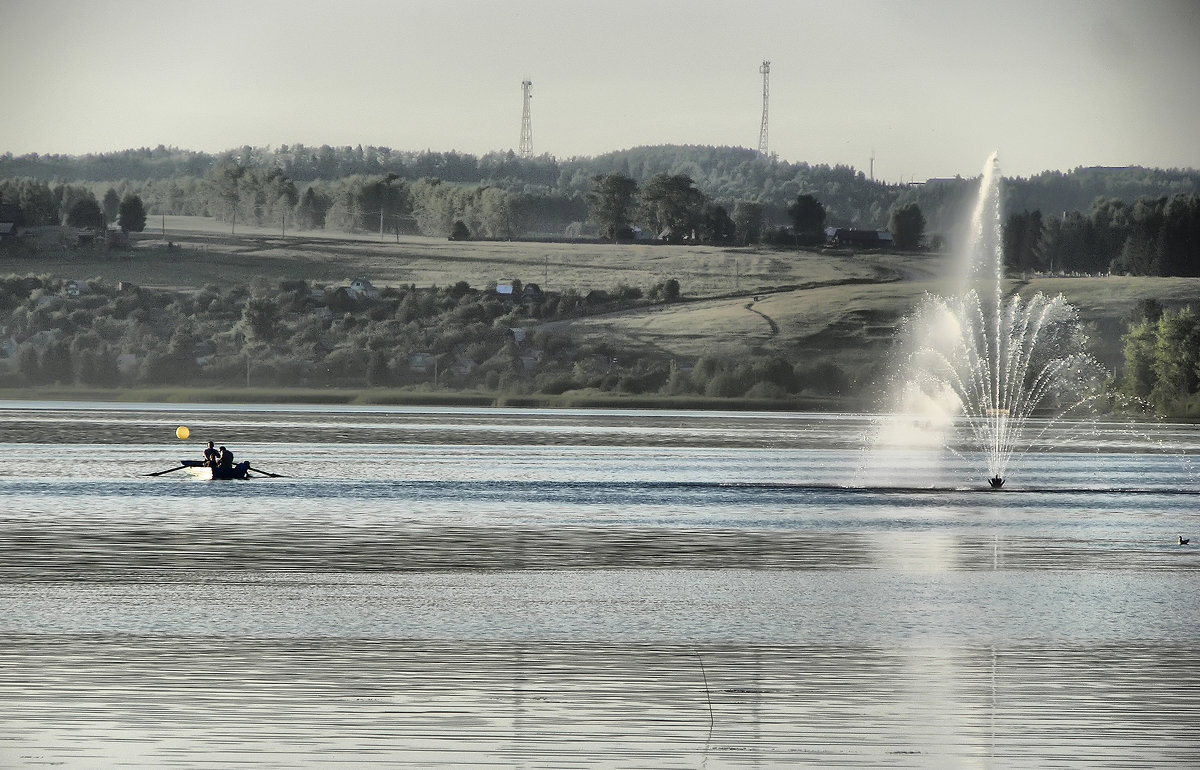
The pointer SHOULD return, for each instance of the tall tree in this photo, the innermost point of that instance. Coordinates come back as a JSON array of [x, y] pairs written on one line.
[[68, 195], [1177, 354], [260, 319], [1139, 351], [310, 211], [716, 226], [610, 202], [1179, 237], [672, 205], [132, 216], [112, 206], [36, 201], [1067, 242], [1022, 241], [748, 219], [85, 212], [808, 218], [907, 225], [224, 185], [500, 213]]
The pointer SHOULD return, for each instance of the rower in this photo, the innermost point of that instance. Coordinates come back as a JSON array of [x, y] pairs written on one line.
[[225, 459], [210, 456]]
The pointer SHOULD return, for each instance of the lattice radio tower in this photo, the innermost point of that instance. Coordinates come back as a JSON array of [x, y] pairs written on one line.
[[526, 149], [765, 69]]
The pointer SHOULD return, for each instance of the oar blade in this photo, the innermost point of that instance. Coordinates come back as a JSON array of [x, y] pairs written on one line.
[[168, 470]]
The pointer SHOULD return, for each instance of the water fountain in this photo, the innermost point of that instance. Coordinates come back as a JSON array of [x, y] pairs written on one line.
[[978, 367]]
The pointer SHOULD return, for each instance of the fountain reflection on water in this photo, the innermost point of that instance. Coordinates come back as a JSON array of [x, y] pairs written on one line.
[[979, 366]]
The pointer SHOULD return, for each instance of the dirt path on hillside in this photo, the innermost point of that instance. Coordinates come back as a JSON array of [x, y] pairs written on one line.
[[770, 321]]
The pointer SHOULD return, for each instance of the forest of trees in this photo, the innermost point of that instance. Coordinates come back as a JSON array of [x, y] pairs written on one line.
[[500, 193], [1136, 221], [1162, 359], [296, 334], [1152, 236]]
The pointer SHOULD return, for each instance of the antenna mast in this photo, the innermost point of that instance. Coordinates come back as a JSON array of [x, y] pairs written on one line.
[[526, 149], [765, 69]]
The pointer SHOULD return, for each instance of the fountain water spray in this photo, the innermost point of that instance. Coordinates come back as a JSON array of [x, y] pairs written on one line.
[[978, 367]]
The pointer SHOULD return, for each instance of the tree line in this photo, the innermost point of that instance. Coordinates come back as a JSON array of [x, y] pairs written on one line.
[[34, 203], [1149, 237], [550, 194]]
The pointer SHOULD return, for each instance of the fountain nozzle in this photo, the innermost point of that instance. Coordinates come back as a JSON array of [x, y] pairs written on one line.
[[995, 482]]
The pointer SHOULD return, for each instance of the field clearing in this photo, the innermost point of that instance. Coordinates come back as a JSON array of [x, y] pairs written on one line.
[[187, 253], [1117, 295], [852, 324]]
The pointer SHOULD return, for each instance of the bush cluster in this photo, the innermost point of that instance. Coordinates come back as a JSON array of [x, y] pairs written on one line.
[[294, 334]]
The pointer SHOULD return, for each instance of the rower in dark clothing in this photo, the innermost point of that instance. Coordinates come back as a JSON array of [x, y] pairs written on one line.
[[211, 456], [225, 459]]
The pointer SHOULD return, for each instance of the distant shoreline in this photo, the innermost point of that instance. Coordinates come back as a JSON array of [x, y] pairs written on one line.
[[401, 397]]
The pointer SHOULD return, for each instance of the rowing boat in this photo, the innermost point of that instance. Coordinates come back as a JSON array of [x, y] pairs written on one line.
[[197, 469]]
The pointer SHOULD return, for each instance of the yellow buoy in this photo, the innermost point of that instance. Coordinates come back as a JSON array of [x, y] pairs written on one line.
[[182, 432]]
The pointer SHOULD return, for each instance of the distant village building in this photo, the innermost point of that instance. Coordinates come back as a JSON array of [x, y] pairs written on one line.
[[361, 288], [847, 237]]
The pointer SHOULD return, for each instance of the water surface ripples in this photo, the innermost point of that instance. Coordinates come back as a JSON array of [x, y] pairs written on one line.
[[477, 588]]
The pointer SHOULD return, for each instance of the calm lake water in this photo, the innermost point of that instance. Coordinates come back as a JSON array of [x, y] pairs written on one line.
[[560, 589]]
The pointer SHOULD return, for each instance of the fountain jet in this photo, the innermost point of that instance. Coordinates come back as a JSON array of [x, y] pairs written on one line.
[[983, 364]]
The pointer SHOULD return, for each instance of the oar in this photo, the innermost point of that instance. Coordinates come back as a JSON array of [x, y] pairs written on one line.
[[168, 470], [272, 475]]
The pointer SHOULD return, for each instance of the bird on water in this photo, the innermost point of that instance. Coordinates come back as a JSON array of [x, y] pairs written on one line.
[[1183, 540]]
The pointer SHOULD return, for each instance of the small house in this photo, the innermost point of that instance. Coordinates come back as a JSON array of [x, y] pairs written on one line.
[[361, 288], [420, 362]]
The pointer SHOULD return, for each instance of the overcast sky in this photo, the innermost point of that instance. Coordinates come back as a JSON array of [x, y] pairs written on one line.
[[930, 86]]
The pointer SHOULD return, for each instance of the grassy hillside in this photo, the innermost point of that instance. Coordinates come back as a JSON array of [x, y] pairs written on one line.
[[203, 251], [811, 308]]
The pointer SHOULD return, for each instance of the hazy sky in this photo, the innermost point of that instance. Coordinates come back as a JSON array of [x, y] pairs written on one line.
[[931, 86]]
